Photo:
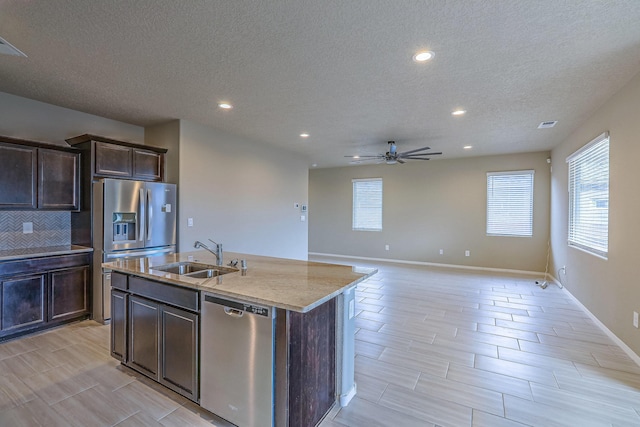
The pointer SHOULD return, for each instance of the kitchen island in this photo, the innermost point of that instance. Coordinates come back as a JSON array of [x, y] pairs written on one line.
[[310, 315]]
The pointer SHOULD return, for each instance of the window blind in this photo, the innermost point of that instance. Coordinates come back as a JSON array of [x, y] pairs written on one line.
[[510, 203], [367, 204], [589, 197]]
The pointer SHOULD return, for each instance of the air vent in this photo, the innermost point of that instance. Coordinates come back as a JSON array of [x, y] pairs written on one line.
[[7, 48], [546, 125]]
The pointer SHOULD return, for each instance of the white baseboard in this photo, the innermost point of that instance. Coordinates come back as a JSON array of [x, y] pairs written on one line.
[[431, 264], [346, 398], [602, 326]]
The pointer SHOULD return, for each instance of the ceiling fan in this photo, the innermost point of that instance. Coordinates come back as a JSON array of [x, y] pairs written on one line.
[[392, 156]]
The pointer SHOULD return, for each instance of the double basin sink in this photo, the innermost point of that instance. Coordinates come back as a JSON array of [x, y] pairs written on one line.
[[196, 270]]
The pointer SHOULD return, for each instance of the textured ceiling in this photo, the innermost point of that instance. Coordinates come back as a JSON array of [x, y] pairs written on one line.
[[339, 70]]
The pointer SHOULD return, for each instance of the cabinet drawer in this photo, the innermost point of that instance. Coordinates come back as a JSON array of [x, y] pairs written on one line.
[[29, 265], [119, 281], [174, 295]]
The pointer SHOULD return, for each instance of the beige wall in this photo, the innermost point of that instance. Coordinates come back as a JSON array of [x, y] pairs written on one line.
[[610, 289], [241, 193], [28, 119], [167, 135], [426, 207]]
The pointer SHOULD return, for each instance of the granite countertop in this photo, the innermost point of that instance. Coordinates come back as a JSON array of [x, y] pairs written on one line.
[[284, 283], [25, 253]]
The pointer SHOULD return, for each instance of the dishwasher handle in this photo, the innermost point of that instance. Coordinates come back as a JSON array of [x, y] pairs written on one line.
[[233, 312]]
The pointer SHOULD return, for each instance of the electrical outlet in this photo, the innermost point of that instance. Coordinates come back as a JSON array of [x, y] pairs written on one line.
[[441, 251], [27, 227], [635, 319], [467, 253], [386, 247]]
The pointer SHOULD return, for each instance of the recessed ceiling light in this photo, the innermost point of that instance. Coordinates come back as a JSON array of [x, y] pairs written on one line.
[[423, 56], [304, 135], [225, 106], [458, 112], [468, 147], [314, 165]]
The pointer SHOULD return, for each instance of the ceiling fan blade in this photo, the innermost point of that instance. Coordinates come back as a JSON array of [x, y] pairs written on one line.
[[419, 155], [417, 158], [364, 157], [416, 150]]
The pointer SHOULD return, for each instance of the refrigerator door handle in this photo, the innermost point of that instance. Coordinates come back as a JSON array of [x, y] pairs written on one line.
[[149, 213], [141, 213]]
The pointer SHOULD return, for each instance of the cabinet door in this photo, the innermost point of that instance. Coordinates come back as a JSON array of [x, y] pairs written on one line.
[[144, 331], [113, 160], [58, 180], [18, 175], [68, 293], [179, 351], [147, 165], [119, 324], [23, 303]]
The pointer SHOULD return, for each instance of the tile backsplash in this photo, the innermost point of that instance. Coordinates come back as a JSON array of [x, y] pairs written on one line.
[[50, 228]]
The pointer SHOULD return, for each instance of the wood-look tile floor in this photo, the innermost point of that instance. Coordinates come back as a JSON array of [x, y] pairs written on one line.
[[445, 347], [434, 347]]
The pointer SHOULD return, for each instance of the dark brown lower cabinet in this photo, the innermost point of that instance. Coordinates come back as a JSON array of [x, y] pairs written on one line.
[[179, 350], [154, 337], [142, 354], [119, 302], [23, 303], [305, 365], [37, 293], [68, 293]]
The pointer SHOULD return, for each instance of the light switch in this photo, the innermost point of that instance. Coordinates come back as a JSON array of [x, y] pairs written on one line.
[[303, 218], [189, 222]]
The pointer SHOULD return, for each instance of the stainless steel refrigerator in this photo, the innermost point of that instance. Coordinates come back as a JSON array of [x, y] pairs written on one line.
[[131, 219]]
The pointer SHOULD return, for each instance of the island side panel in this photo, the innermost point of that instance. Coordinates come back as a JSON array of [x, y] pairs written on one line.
[[312, 357]]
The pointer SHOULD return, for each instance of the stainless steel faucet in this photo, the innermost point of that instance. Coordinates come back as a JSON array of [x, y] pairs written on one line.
[[217, 252]]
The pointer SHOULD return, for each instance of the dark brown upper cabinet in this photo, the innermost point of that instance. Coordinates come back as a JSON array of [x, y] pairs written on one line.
[[18, 176], [110, 158], [58, 180], [35, 175]]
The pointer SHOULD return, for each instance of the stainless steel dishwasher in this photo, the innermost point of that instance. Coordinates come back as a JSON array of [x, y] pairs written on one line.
[[237, 361]]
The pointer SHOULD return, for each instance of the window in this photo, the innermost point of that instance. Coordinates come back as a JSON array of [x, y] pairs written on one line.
[[367, 204], [510, 203], [589, 197]]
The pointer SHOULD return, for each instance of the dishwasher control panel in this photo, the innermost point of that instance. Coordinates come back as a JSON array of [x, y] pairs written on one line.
[[243, 306]]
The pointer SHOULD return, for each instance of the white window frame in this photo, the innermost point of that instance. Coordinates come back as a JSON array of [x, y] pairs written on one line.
[[588, 178], [510, 203], [367, 208]]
